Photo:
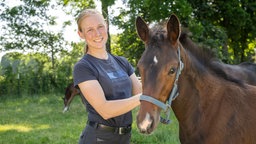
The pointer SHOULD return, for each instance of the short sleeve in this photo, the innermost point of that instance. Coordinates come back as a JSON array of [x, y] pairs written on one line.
[[127, 65], [83, 72]]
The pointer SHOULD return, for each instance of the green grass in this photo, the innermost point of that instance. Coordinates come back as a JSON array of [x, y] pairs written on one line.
[[39, 120]]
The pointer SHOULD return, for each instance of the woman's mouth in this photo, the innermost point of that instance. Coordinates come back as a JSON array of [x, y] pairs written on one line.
[[98, 40]]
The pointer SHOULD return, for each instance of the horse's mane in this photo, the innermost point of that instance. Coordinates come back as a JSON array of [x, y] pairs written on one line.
[[206, 57], [203, 54]]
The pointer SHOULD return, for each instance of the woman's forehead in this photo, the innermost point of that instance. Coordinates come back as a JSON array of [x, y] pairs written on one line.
[[93, 20]]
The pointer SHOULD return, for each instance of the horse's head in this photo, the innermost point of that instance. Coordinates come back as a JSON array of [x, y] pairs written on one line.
[[158, 68]]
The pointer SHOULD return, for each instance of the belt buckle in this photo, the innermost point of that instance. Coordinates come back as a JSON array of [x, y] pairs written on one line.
[[120, 131]]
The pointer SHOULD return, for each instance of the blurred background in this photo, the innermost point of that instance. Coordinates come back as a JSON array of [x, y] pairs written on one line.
[[39, 43]]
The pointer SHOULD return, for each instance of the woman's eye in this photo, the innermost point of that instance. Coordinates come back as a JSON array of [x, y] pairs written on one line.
[[89, 30], [172, 71], [101, 27]]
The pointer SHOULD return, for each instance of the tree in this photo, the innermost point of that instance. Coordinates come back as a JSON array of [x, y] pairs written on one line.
[[104, 8], [26, 73], [213, 24], [25, 28], [152, 12], [236, 19]]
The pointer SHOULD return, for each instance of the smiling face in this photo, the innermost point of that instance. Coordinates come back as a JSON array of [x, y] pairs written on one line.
[[93, 29]]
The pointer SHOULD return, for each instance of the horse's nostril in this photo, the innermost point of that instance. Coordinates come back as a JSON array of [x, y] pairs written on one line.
[[143, 131], [146, 131]]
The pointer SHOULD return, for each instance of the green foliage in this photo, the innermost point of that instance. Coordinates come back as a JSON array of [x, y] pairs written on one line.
[[23, 73], [66, 64], [24, 27], [228, 28], [32, 73], [77, 6], [48, 66], [213, 24], [236, 21], [152, 12]]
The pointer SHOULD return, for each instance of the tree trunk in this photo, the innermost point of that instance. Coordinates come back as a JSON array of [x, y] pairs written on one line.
[[104, 8]]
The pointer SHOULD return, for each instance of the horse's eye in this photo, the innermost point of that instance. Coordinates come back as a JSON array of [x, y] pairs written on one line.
[[172, 71]]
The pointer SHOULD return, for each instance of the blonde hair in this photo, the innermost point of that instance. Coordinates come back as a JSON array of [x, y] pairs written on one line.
[[85, 13]]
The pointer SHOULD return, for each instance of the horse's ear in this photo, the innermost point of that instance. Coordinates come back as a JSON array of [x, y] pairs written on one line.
[[142, 29], [173, 28]]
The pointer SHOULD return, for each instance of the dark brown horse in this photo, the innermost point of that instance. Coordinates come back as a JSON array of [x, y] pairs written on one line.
[[210, 106], [70, 93]]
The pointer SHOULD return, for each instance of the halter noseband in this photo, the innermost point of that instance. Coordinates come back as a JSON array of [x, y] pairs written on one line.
[[174, 93]]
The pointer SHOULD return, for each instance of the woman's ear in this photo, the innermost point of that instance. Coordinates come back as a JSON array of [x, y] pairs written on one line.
[[81, 35]]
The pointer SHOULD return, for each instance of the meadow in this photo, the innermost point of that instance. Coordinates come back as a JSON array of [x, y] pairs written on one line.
[[39, 120]]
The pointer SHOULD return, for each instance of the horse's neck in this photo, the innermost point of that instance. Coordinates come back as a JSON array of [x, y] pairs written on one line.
[[193, 87]]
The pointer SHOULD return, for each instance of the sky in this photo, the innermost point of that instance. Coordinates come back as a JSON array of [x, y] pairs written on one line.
[[70, 32]]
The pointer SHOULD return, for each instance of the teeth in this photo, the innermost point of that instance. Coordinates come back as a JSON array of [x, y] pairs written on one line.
[[98, 40]]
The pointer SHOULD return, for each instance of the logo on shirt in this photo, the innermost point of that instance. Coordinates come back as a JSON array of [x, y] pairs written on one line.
[[116, 74]]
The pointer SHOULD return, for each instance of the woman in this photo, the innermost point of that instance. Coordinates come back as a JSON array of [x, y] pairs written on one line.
[[107, 82]]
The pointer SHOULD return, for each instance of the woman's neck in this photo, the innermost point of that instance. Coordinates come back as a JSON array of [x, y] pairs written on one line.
[[101, 54]]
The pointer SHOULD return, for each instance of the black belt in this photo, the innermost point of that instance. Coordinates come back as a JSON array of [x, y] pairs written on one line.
[[118, 130]]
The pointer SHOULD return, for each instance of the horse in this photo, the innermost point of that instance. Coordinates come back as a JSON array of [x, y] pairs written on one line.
[[70, 93], [211, 106]]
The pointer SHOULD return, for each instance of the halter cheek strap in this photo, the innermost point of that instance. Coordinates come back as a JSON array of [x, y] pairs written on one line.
[[174, 93]]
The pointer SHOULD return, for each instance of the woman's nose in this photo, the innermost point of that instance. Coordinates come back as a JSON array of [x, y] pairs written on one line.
[[97, 32]]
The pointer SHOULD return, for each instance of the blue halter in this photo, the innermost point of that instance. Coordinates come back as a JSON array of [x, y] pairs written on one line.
[[174, 93]]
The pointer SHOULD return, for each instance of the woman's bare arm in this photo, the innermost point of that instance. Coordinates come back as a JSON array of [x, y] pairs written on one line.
[[94, 94], [136, 84]]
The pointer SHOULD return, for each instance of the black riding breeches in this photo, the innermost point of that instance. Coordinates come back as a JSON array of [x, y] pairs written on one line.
[[91, 135]]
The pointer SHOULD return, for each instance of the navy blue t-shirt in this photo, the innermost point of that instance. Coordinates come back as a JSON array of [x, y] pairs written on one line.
[[113, 76]]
